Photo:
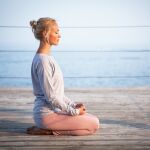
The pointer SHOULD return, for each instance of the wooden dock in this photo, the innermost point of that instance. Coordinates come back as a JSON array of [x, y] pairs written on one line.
[[124, 116]]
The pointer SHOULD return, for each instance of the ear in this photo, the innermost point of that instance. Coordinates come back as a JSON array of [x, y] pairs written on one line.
[[44, 33]]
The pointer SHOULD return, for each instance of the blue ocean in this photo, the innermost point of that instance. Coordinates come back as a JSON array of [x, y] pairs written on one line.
[[99, 69]]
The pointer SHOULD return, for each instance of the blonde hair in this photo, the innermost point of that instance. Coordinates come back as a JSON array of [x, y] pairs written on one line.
[[43, 24]]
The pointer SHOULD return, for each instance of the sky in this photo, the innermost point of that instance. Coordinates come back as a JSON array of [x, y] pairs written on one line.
[[78, 13]]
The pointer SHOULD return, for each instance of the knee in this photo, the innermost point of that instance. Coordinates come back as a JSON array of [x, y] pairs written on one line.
[[95, 125]]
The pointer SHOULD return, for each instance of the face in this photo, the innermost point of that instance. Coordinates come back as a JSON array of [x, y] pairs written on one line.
[[54, 35]]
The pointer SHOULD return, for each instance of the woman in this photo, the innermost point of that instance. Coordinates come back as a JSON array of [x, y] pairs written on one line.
[[53, 112]]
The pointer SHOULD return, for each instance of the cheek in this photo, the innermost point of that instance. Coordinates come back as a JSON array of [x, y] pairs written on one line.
[[53, 38]]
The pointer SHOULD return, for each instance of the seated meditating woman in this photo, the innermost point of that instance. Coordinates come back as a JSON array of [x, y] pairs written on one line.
[[53, 112]]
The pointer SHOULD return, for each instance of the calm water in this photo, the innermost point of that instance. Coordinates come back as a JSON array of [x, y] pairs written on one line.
[[81, 69]]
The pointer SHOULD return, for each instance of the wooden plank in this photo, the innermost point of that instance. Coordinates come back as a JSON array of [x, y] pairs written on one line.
[[102, 136], [81, 147], [78, 142], [123, 114]]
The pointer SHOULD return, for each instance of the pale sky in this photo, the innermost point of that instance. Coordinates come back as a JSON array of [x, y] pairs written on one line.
[[78, 13]]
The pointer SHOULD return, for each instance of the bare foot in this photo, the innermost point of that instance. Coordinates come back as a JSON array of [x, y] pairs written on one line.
[[38, 131]]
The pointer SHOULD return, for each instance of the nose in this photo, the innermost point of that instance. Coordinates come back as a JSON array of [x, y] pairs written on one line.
[[59, 36]]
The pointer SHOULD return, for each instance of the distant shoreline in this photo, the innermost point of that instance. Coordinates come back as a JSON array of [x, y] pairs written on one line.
[[79, 89]]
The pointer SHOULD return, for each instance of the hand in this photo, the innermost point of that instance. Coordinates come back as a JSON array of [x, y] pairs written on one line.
[[81, 107], [82, 110], [78, 105]]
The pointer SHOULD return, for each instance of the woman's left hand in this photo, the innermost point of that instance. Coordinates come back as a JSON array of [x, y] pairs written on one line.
[[80, 105]]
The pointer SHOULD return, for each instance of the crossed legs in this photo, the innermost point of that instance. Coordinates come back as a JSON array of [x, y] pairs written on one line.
[[71, 125]]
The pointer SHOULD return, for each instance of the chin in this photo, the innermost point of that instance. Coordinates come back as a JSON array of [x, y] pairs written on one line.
[[55, 44]]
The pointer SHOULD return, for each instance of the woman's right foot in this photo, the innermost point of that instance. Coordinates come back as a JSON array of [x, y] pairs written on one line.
[[38, 131]]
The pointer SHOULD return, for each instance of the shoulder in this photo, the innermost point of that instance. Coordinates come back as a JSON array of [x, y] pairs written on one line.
[[42, 59], [44, 62]]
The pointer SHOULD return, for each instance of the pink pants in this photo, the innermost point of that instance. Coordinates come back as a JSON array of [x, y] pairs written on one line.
[[71, 125]]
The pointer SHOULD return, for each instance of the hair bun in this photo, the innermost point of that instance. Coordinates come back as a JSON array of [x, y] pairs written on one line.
[[33, 24]]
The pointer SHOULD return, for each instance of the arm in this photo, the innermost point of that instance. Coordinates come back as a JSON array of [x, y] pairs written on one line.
[[45, 75], [69, 102], [79, 106]]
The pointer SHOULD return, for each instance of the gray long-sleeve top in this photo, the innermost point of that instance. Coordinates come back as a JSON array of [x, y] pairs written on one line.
[[48, 87]]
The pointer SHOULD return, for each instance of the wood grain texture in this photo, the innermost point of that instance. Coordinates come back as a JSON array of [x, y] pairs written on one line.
[[124, 116]]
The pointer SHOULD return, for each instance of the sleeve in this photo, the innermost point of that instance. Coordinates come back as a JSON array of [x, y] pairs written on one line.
[[69, 101], [45, 75]]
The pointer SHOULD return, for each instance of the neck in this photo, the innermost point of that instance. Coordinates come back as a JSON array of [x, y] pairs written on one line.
[[44, 48]]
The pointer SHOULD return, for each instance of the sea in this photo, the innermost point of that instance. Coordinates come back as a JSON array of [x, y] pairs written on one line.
[[81, 69]]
